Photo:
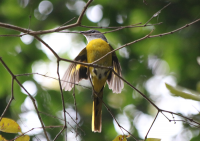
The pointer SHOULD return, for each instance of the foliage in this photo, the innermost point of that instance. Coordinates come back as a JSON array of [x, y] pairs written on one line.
[[179, 92], [10, 126]]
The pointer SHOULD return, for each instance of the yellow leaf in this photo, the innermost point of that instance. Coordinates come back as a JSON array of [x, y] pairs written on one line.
[[178, 91], [2, 138], [121, 138], [23, 138], [9, 126], [152, 139]]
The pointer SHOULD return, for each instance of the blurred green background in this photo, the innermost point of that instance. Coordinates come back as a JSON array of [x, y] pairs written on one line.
[[147, 65]]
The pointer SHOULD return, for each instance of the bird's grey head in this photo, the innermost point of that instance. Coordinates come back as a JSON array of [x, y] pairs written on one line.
[[93, 34]]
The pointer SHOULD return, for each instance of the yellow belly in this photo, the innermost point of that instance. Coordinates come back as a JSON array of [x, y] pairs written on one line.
[[95, 50]]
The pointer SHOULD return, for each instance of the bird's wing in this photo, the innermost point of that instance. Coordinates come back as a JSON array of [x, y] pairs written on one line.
[[75, 72], [113, 81]]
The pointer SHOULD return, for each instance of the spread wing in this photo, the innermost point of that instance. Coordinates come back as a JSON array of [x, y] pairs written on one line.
[[113, 81], [75, 72]]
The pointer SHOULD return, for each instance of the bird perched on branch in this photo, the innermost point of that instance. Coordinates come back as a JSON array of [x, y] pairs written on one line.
[[96, 48]]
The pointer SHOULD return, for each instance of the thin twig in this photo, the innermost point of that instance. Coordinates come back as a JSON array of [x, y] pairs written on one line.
[[75, 122], [63, 102], [156, 14], [59, 133], [26, 74], [11, 99], [66, 23], [152, 124], [190, 119], [51, 115], [171, 32], [29, 24], [115, 28], [58, 118], [55, 54], [83, 12], [135, 89], [166, 116], [112, 27]]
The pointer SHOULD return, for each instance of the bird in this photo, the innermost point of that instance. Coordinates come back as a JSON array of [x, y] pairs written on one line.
[[97, 47]]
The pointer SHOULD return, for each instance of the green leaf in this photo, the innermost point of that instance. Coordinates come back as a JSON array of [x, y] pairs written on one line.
[[153, 139], [23, 138], [178, 91], [9, 126]]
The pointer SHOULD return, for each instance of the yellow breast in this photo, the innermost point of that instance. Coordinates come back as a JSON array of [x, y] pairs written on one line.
[[95, 50]]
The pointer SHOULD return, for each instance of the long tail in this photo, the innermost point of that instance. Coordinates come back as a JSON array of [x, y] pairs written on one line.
[[96, 112]]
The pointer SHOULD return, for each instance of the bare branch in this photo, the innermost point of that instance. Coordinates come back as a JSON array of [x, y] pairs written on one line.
[[156, 14], [83, 12], [66, 23], [171, 32]]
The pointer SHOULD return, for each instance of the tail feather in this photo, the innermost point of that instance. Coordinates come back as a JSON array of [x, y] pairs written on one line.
[[97, 112]]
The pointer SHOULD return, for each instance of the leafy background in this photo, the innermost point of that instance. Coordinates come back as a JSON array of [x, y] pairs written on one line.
[[173, 56]]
